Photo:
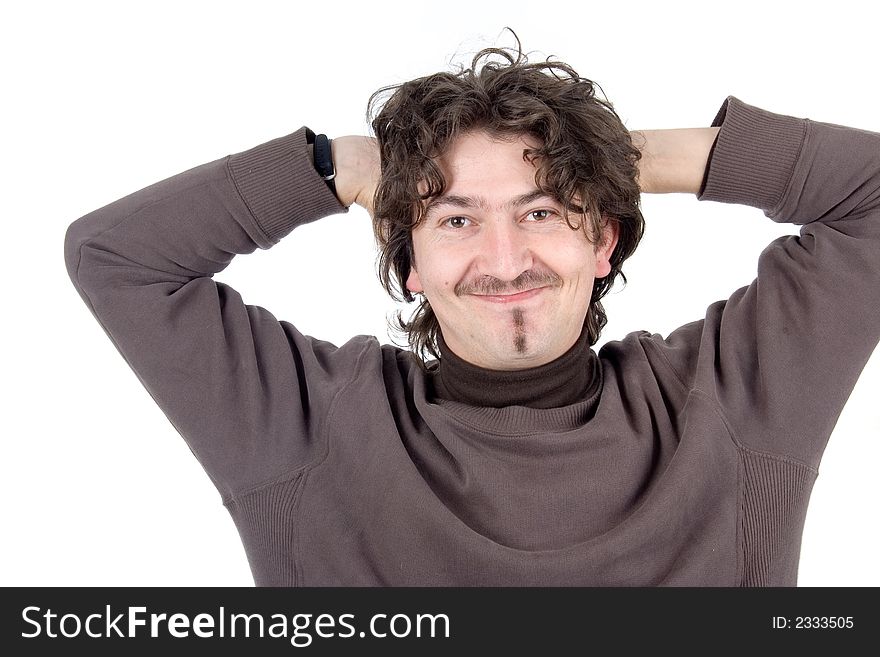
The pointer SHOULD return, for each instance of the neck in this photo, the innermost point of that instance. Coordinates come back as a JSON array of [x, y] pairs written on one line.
[[561, 382]]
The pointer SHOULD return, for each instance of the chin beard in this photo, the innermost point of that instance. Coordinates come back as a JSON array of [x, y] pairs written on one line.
[[519, 331]]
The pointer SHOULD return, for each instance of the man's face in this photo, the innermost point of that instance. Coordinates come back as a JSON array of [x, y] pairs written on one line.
[[508, 279]]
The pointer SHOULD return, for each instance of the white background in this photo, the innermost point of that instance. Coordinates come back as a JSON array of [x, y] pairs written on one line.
[[102, 99]]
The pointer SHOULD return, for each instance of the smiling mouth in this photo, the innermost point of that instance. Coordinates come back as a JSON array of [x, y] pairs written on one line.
[[511, 298]]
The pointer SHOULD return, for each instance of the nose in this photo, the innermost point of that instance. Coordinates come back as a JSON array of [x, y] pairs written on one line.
[[505, 251]]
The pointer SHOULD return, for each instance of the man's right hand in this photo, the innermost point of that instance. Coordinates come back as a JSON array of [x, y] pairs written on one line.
[[357, 169]]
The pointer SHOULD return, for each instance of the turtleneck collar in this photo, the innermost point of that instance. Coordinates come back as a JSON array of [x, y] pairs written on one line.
[[571, 378]]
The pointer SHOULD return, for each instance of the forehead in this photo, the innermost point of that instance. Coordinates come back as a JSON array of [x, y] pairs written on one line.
[[488, 166], [478, 148]]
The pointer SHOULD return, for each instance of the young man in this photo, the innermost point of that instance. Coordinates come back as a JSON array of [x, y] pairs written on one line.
[[501, 449]]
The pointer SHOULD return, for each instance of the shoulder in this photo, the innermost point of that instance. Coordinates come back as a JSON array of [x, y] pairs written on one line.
[[369, 375], [362, 357], [641, 357]]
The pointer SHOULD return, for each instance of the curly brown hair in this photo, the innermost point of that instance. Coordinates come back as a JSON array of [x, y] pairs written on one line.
[[586, 160]]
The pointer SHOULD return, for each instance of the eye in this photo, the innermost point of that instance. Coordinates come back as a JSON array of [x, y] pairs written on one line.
[[456, 222], [539, 215]]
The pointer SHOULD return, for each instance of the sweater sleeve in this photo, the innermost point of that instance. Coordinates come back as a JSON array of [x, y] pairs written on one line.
[[781, 356], [245, 390]]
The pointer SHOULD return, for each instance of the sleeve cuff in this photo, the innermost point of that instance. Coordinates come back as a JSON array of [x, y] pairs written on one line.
[[280, 186], [753, 157]]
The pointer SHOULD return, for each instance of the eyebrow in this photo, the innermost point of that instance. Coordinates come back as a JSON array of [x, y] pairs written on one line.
[[457, 201]]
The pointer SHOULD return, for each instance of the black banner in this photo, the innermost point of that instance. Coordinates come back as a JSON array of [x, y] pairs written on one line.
[[429, 621]]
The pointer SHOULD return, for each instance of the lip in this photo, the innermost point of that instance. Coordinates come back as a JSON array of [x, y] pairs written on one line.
[[511, 298]]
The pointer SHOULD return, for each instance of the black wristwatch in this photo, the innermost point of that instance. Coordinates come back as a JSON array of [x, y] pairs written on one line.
[[323, 157]]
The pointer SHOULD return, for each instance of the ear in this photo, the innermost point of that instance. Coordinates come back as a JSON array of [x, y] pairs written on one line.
[[413, 282], [610, 233]]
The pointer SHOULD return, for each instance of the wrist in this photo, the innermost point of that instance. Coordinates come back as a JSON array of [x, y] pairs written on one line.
[[357, 169], [673, 160]]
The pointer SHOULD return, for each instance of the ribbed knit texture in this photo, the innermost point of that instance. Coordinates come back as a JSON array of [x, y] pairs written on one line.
[[753, 157], [270, 537], [265, 178], [775, 498]]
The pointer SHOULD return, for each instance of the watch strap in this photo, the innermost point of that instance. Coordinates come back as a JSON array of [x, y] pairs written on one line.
[[323, 157]]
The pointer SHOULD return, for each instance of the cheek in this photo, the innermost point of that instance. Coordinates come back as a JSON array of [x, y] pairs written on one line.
[[571, 261], [439, 272]]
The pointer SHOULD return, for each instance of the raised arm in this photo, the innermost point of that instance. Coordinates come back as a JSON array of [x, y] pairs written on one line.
[[780, 357], [246, 391]]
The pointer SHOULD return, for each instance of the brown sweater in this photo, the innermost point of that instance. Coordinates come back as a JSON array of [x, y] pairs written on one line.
[[687, 460]]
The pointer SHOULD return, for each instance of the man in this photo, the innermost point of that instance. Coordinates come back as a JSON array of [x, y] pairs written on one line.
[[501, 449]]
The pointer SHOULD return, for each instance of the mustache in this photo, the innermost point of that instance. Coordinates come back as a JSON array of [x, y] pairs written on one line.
[[529, 279]]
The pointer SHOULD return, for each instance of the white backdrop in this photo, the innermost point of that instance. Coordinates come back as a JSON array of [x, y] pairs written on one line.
[[102, 99]]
